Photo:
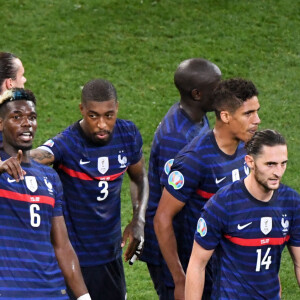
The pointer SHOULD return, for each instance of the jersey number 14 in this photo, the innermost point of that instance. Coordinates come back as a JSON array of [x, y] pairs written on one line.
[[266, 261]]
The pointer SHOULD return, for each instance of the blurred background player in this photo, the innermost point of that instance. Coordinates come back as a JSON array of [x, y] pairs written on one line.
[[195, 79], [11, 74], [249, 223], [91, 157], [198, 171], [32, 227]]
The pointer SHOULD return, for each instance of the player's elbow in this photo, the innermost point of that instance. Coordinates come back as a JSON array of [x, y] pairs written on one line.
[[161, 222]]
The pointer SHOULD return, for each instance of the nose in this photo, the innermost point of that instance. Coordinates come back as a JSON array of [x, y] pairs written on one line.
[[101, 123], [26, 122], [279, 170], [256, 119]]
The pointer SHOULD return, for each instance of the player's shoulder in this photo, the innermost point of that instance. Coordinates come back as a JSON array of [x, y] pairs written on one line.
[[69, 132], [125, 125], [44, 170], [200, 143], [230, 191], [288, 191], [171, 122]]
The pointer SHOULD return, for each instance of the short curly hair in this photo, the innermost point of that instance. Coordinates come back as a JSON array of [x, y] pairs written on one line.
[[231, 93]]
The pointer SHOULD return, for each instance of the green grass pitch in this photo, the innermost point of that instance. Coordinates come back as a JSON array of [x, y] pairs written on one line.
[[137, 44]]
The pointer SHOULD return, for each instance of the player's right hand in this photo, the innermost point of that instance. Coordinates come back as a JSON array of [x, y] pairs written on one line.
[[12, 166], [179, 290]]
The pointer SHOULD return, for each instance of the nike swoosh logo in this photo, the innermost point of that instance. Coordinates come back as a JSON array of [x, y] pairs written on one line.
[[240, 227], [84, 162], [219, 180], [10, 180]]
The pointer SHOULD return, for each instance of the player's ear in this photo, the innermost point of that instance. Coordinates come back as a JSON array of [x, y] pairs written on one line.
[[81, 108], [8, 83], [1, 124], [225, 116], [117, 106], [249, 161], [196, 94]]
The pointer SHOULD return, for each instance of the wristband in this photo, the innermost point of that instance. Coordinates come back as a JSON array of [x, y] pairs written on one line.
[[137, 253], [85, 297]]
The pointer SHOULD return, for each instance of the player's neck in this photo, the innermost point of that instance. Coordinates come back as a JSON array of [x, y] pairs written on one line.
[[257, 190], [11, 151], [226, 142], [193, 110]]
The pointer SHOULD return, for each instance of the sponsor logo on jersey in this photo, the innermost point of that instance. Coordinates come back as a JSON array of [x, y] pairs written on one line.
[[49, 143], [220, 180], [176, 180], [202, 227], [31, 183], [84, 162], [48, 184], [285, 224], [122, 160], [241, 227], [10, 180], [168, 166], [266, 225], [103, 164]]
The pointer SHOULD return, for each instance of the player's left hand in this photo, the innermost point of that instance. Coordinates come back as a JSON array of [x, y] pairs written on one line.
[[135, 234]]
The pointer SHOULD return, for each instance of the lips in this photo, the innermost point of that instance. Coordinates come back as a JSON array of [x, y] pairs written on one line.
[[102, 134], [26, 136], [253, 130], [274, 181]]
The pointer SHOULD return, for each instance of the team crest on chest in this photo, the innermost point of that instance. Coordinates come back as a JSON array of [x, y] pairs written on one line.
[[48, 184], [285, 224], [122, 160], [266, 225], [31, 183], [103, 164]]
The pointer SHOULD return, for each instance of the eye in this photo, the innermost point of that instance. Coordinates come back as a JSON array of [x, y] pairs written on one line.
[[16, 117], [92, 116]]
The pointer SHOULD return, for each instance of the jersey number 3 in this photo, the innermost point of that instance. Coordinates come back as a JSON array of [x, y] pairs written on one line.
[[266, 261], [103, 185]]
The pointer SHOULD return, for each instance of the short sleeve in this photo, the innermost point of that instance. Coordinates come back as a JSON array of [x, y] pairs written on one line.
[[58, 192], [186, 174], [211, 224], [137, 147], [295, 225]]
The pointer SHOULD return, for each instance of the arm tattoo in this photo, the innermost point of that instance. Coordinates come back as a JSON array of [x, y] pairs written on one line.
[[42, 157]]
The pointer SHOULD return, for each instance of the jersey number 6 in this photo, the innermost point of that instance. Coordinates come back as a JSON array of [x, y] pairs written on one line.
[[35, 218]]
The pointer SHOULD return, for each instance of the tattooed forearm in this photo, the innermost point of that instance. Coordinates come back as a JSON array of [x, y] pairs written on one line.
[[42, 156]]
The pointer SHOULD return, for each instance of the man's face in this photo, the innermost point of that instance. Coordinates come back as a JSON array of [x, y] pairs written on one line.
[[18, 125], [99, 119], [245, 120], [20, 79], [269, 166]]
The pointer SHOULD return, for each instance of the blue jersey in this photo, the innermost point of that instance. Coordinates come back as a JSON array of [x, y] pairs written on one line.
[[92, 176], [249, 236], [28, 266], [173, 133], [199, 170]]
